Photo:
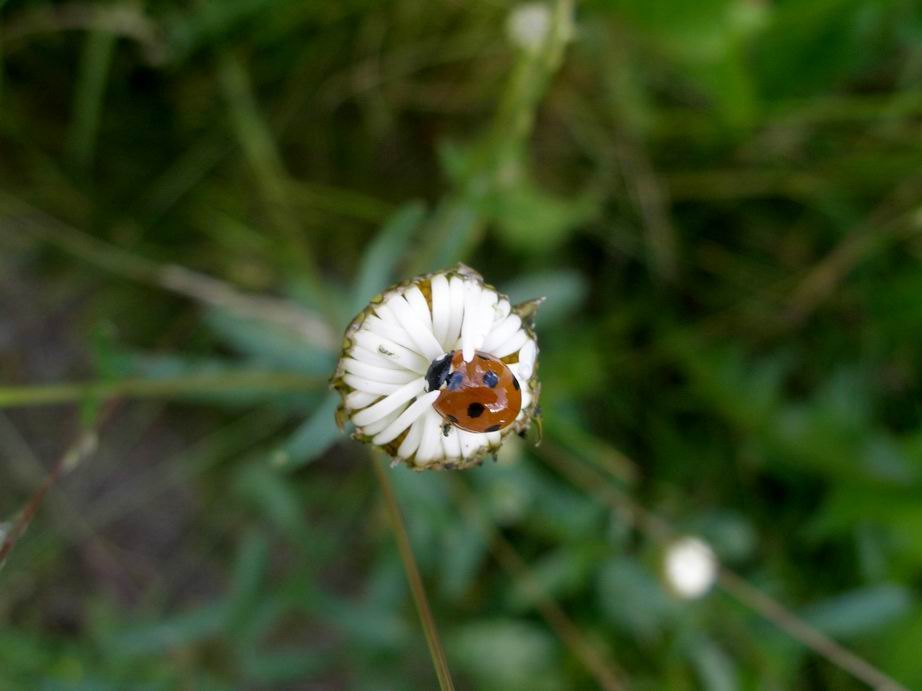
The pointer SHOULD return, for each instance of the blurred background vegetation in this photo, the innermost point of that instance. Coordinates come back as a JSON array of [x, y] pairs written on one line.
[[722, 201]]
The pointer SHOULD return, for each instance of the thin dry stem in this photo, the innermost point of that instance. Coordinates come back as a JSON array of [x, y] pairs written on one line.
[[17, 216], [83, 445], [439, 660], [596, 484], [53, 394]]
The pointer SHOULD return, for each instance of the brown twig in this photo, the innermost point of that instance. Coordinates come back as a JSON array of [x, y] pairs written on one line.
[[83, 445]]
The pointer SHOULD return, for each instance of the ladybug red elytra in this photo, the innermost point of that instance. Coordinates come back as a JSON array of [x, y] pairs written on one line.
[[482, 395]]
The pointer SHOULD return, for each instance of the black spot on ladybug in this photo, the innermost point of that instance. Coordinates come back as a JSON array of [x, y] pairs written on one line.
[[490, 379], [481, 357], [515, 383], [475, 410], [438, 372], [452, 418], [455, 381], [492, 428]]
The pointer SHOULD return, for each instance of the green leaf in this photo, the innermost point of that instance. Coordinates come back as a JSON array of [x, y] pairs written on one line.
[[558, 575], [312, 439], [622, 583], [381, 258], [267, 345], [565, 290], [715, 668], [173, 633], [464, 549], [730, 534], [861, 611], [530, 220], [274, 496], [449, 235], [506, 654], [284, 666]]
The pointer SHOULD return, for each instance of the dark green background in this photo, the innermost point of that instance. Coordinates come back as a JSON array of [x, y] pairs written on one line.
[[721, 200]]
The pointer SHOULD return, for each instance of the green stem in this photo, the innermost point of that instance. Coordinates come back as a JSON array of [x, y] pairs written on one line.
[[95, 65], [53, 394]]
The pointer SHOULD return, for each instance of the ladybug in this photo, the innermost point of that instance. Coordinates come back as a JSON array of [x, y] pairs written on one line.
[[482, 395]]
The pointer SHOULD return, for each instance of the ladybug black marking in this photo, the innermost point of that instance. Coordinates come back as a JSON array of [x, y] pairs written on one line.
[[452, 419], [515, 383], [438, 371], [475, 409], [492, 428], [490, 379]]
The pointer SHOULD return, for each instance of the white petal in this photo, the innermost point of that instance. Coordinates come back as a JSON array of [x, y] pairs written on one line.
[[451, 444], [456, 289], [417, 301], [420, 332], [471, 443], [411, 442], [367, 385], [430, 448], [527, 355], [379, 425], [356, 400], [376, 359], [407, 418], [511, 345], [526, 398], [501, 309], [494, 438], [391, 351], [469, 325], [485, 316], [385, 324], [379, 374], [502, 332], [526, 389], [441, 308], [389, 404]]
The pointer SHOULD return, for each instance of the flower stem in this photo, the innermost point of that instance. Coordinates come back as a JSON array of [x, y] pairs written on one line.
[[52, 394], [439, 661]]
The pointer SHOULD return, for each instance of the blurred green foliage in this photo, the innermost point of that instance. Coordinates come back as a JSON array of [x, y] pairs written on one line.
[[721, 200]]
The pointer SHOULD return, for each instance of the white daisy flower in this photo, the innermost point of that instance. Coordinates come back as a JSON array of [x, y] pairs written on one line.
[[437, 370]]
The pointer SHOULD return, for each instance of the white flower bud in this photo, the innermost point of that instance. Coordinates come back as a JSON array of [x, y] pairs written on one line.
[[690, 567], [528, 25]]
